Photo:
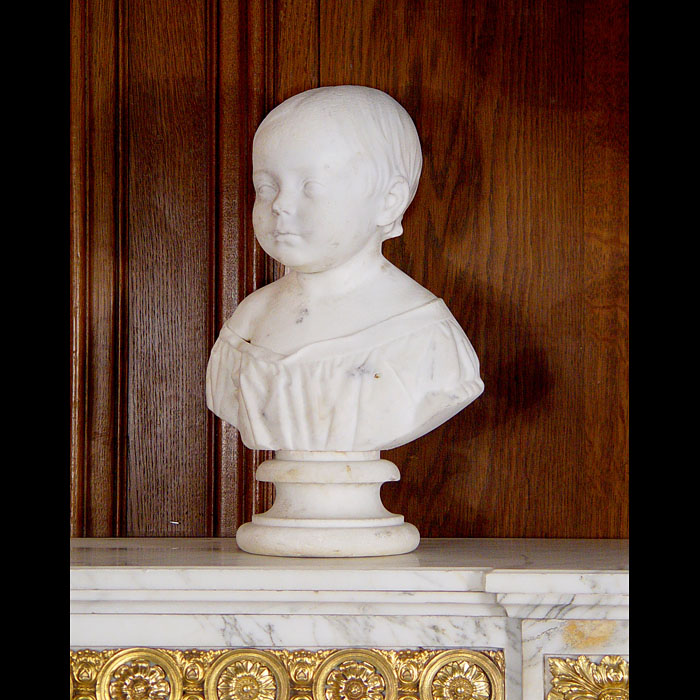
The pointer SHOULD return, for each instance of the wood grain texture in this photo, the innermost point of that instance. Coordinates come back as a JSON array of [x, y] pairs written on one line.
[[97, 290], [519, 223], [230, 488], [497, 90], [78, 257], [606, 253], [168, 268]]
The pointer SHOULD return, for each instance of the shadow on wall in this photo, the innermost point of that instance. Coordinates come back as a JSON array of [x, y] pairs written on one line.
[[456, 468], [446, 247], [516, 373], [443, 248]]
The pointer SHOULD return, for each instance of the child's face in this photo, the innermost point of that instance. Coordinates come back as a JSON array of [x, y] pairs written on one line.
[[313, 210]]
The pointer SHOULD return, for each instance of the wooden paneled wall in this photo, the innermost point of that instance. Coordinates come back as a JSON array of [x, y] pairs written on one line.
[[519, 224]]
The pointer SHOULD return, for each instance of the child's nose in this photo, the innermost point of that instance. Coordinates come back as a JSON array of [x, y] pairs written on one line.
[[283, 204]]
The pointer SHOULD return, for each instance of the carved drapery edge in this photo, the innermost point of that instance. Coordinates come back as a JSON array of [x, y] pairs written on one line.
[[281, 674], [581, 678]]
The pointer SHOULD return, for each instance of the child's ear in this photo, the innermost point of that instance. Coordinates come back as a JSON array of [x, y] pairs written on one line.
[[396, 200]]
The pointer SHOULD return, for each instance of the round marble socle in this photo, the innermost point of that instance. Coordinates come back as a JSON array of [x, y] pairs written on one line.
[[318, 541]]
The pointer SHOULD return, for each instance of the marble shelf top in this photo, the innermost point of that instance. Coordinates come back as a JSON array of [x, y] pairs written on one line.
[[523, 596], [205, 591], [551, 555], [477, 565]]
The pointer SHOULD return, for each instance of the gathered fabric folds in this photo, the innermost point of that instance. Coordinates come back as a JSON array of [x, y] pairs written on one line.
[[375, 389]]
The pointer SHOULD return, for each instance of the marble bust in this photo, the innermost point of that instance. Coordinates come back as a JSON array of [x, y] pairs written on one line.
[[345, 355]]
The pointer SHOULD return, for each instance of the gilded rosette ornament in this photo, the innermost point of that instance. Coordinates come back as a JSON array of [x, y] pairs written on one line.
[[281, 674], [355, 680], [247, 674], [140, 679], [461, 680], [139, 674], [247, 680], [582, 679], [355, 674], [462, 675]]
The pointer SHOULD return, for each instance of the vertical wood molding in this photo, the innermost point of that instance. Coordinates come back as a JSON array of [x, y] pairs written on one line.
[[121, 343], [213, 38], [97, 289], [241, 73], [78, 257], [230, 49], [245, 41]]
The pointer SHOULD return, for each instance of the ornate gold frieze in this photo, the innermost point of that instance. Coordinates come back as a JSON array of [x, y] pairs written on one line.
[[582, 679], [282, 674]]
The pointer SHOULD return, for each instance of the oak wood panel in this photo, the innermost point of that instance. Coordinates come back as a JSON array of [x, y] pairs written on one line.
[[606, 253], [519, 224], [77, 293], [168, 268], [233, 489], [296, 63], [497, 91], [164, 102], [96, 292]]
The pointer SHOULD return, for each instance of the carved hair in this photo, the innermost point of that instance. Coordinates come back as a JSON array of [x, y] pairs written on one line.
[[379, 124]]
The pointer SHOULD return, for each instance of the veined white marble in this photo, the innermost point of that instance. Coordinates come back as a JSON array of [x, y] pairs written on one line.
[[572, 638], [527, 597], [503, 556], [531, 598], [288, 631], [574, 579], [345, 355], [303, 631]]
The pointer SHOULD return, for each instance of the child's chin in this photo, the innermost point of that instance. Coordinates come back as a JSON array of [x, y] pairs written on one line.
[[299, 263], [282, 250]]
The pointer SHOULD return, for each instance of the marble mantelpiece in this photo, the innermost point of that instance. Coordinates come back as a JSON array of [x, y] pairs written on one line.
[[532, 599]]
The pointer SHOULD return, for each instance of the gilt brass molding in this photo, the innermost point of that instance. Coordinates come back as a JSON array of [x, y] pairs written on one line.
[[141, 673], [582, 679]]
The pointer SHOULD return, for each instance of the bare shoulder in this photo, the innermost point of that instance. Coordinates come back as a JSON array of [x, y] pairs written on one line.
[[252, 308], [403, 291]]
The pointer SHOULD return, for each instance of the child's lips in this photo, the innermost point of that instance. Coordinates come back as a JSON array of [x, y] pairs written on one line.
[[285, 235]]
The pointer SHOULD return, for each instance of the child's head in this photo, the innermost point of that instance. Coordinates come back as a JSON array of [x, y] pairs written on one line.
[[371, 122]]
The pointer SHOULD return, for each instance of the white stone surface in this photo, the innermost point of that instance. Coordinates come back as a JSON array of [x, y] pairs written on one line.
[[327, 505], [303, 631], [345, 353], [594, 638], [202, 576], [531, 598], [289, 631]]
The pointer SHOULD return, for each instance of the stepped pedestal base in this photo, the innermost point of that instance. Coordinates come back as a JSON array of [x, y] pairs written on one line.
[[327, 504]]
